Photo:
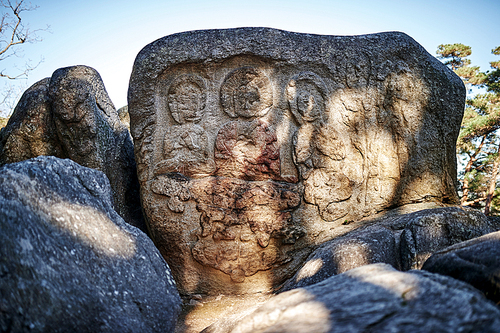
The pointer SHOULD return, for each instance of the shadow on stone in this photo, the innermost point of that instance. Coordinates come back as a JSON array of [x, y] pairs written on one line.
[[373, 298], [403, 241], [69, 262], [476, 262], [71, 116]]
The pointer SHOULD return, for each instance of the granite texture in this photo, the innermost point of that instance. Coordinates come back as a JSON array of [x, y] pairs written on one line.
[[70, 115], [69, 262], [255, 145]]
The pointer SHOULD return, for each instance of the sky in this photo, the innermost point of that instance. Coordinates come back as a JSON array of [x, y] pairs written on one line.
[[107, 35]]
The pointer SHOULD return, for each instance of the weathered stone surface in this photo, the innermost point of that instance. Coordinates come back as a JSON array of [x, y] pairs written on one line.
[[364, 246], [199, 312], [124, 116], [476, 262], [68, 261], [403, 241], [354, 125], [71, 116], [374, 298], [3, 122], [429, 231], [30, 131]]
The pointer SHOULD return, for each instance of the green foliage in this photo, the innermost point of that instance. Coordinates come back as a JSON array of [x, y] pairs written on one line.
[[455, 53], [492, 81], [471, 75], [481, 117], [478, 143], [495, 204]]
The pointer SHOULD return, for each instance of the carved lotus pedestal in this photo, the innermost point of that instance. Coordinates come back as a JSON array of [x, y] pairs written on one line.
[[256, 145]]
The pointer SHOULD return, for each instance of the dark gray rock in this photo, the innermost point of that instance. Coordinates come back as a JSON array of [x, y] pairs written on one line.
[[68, 261], [30, 131], [71, 116], [476, 262], [374, 244], [373, 298], [92, 135], [429, 231], [403, 241]]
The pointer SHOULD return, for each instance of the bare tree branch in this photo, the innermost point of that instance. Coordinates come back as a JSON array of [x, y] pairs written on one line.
[[473, 202], [13, 33], [10, 94]]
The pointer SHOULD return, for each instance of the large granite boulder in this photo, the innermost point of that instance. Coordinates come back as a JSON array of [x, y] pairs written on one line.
[[476, 262], [254, 145], [71, 116], [403, 241], [68, 261], [374, 298]]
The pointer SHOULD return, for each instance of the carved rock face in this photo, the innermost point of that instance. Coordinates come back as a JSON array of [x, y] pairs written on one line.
[[254, 145]]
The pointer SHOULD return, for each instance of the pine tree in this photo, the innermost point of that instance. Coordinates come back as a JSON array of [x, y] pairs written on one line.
[[478, 143]]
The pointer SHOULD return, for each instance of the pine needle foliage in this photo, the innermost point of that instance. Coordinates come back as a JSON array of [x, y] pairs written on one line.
[[478, 145]]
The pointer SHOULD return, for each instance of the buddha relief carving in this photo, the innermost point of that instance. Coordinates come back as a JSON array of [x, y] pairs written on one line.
[[318, 149], [185, 145], [243, 224], [245, 215], [247, 148], [246, 92]]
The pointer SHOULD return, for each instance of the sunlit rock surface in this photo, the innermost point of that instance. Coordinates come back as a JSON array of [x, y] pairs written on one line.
[[70, 115], [254, 145], [124, 116], [373, 298], [68, 261]]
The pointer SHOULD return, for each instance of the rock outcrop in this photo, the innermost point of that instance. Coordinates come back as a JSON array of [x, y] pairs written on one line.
[[405, 242], [373, 298], [71, 116], [476, 262], [255, 145], [68, 261]]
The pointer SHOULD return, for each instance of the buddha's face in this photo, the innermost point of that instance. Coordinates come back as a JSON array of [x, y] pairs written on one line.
[[309, 104], [185, 103], [247, 98]]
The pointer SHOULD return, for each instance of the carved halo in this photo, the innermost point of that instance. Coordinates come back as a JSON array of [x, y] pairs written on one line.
[[184, 84], [246, 92], [293, 91]]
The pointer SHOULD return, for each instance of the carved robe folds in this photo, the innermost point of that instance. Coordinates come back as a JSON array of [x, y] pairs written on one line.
[[255, 145]]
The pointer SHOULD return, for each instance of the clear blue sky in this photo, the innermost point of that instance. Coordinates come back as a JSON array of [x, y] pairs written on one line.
[[107, 35]]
